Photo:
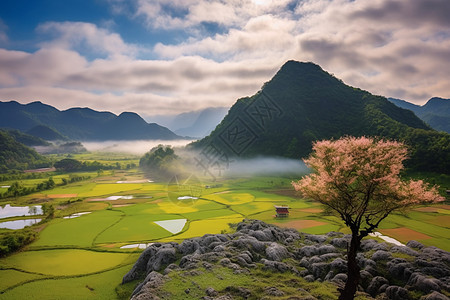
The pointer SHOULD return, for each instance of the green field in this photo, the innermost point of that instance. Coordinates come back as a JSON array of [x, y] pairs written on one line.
[[81, 257]]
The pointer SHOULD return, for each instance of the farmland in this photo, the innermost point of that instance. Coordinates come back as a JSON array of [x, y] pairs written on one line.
[[82, 255]]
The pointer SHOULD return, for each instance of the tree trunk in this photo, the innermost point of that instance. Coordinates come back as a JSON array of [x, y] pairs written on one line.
[[348, 293]]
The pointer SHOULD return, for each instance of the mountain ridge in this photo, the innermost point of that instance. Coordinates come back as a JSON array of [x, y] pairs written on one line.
[[435, 112], [303, 103], [80, 123]]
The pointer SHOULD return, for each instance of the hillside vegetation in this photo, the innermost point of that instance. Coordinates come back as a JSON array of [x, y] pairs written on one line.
[[303, 103], [16, 156]]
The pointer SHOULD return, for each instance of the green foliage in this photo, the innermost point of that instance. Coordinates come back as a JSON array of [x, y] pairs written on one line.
[[13, 240], [314, 105], [14, 155], [160, 161]]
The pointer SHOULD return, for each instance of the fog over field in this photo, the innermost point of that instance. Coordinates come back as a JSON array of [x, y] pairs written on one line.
[[138, 147], [265, 166]]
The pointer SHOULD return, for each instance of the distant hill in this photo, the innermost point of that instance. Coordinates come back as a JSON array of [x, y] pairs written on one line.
[[17, 156], [197, 123], [79, 123], [436, 112], [46, 133], [27, 139], [303, 103]]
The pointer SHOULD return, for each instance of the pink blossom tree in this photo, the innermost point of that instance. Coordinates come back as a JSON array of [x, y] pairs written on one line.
[[358, 178]]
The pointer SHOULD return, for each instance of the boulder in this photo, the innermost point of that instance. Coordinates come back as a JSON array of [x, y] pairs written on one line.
[[276, 252], [375, 284], [309, 251], [425, 284], [381, 255], [397, 293], [414, 244]]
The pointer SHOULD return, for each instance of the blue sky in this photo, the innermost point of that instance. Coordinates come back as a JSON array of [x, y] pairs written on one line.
[[164, 57]]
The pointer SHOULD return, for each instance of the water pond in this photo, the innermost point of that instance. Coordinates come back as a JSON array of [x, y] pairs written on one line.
[[19, 211], [19, 224]]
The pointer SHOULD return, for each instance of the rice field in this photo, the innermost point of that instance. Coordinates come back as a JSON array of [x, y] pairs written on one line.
[[81, 256]]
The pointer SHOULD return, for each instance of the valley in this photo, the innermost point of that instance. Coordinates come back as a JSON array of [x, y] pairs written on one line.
[[86, 255]]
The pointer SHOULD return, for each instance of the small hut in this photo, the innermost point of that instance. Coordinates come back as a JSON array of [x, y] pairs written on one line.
[[282, 211]]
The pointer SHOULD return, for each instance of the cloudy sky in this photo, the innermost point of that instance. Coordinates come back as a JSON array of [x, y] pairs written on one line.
[[165, 57]]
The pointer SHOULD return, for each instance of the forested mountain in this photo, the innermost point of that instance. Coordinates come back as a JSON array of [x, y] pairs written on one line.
[[16, 156], [27, 139], [436, 112], [303, 103], [79, 123]]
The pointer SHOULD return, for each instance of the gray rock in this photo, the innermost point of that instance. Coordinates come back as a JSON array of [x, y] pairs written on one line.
[[404, 250], [381, 255], [435, 296], [368, 244], [341, 277], [260, 235], [339, 265], [273, 291], [317, 238], [309, 278], [304, 262], [400, 270], [315, 259], [152, 281], [397, 293], [163, 257], [211, 292], [140, 267], [309, 251], [319, 270], [276, 252], [189, 261], [249, 243], [340, 242], [188, 246], [375, 284], [275, 266], [423, 283], [239, 291], [414, 244], [366, 278], [327, 249]]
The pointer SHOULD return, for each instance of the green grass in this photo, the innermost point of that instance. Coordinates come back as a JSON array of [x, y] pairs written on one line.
[[201, 215], [105, 189], [79, 231], [137, 228], [224, 281], [97, 286], [65, 262], [12, 277]]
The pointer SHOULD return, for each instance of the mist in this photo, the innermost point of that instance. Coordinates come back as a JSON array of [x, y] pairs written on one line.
[[265, 166], [137, 147]]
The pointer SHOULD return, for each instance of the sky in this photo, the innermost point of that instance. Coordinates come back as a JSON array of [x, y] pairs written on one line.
[[158, 57]]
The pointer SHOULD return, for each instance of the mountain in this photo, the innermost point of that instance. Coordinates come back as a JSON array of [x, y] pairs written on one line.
[[303, 103], [198, 123], [17, 156], [79, 123], [27, 139], [46, 133], [205, 122], [436, 112]]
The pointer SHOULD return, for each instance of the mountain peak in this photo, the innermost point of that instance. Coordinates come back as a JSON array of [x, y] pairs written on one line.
[[303, 103]]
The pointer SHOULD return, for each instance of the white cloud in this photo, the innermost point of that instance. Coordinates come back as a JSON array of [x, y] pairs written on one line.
[[86, 36], [402, 52]]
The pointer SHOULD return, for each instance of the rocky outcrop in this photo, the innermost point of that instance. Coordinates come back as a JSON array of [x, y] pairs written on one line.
[[387, 272]]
